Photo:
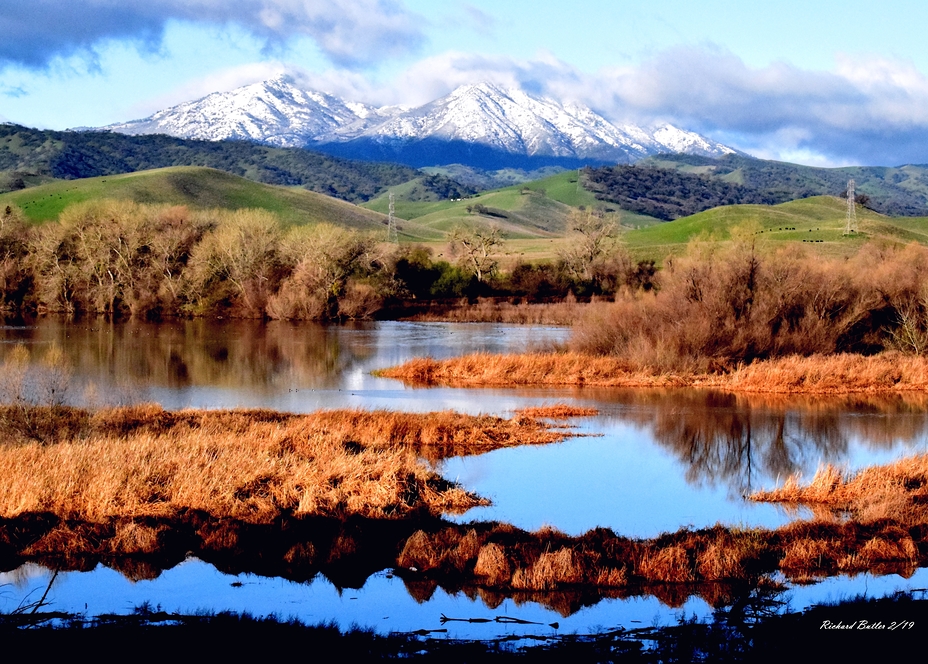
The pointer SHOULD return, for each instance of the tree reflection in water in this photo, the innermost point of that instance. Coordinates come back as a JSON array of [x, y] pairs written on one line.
[[746, 441], [244, 354]]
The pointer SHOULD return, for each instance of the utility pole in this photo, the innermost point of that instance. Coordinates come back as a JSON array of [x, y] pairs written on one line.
[[850, 225], [392, 235]]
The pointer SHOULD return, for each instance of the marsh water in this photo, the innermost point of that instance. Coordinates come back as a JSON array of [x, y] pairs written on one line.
[[652, 461]]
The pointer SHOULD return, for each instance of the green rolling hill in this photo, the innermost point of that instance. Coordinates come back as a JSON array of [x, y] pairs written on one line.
[[817, 223], [532, 210], [31, 156], [901, 190], [532, 216], [201, 188]]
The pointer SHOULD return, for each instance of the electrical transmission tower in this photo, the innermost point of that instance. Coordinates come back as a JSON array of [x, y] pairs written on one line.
[[850, 225], [392, 235]]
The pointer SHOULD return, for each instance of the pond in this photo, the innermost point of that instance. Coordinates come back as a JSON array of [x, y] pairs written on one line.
[[652, 461]]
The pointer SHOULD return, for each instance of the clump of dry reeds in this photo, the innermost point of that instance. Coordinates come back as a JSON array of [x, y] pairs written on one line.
[[248, 465], [496, 560], [833, 374], [897, 491], [557, 412], [529, 369], [500, 557]]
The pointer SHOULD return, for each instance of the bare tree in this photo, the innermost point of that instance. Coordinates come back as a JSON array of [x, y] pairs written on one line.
[[590, 240], [323, 258], [239, 260], [475, 248]]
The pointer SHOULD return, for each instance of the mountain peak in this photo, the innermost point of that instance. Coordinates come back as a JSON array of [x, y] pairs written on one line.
[[504, 120]]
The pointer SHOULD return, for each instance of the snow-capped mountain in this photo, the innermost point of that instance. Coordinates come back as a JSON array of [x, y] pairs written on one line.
[[489, 118], [275, 112]]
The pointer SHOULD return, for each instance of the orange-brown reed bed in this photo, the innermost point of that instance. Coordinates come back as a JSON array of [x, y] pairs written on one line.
[[126, 482], [249, 465], [878, 524], [502, 557], [887, 532], [492, 559], [346, 551], [818, 374]]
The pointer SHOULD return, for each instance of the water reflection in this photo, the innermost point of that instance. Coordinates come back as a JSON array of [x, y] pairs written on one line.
[[246, 356], [665, 459], [745, 442]]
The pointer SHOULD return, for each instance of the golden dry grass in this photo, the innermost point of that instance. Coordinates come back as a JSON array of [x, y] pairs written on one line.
[[897, 491], [818, 374], [249, 465], [529, 369], [556, 412], [144, 469]]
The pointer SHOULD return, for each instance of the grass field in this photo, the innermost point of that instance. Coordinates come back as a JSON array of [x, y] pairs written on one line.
[[818, 374], [526, 211], [249, 465]]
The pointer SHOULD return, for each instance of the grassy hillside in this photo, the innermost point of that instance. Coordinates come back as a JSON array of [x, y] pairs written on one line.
[[30, 154], [202, 188], [532, 210], [816, 222], [532, 216]]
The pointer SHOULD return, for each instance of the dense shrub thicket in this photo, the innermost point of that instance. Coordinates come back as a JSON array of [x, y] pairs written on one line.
[[120, 258], [713, 309]]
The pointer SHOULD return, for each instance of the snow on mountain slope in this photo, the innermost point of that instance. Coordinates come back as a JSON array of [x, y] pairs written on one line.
[[512, 121], [277, 112], [688, 142]]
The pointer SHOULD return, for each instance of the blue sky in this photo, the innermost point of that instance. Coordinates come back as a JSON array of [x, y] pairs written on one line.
[[828, 83]]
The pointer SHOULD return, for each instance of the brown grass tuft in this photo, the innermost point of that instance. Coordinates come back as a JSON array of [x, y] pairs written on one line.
[[896, 491], [550, 570], [493, 565], [669, 564], [719, 561], [557, 412], [807, 558]]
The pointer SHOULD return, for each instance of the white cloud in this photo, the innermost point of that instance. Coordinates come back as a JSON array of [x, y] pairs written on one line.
[[349, 32], [221, 81], [865, 111]]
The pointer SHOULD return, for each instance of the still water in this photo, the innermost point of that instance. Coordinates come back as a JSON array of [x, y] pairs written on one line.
[[652, 461]]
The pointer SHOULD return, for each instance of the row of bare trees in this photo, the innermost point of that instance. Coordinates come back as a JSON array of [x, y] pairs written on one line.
[[122, 258]]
